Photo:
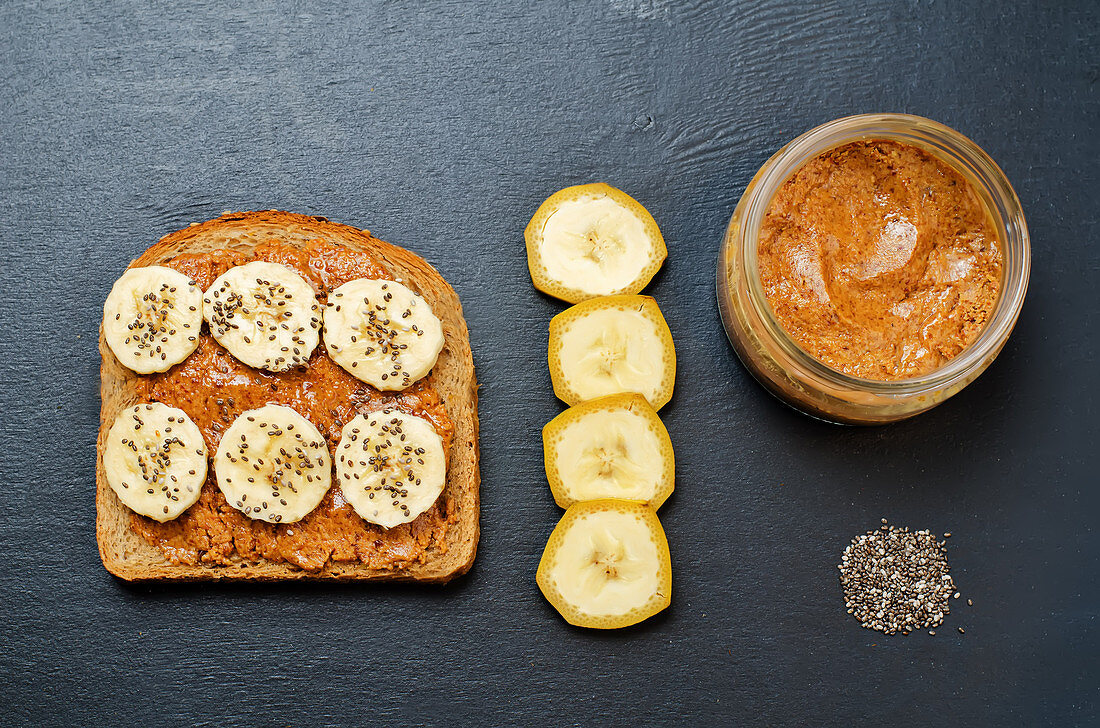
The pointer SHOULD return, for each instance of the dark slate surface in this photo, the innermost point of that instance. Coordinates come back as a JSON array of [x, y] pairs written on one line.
[[442, 128]]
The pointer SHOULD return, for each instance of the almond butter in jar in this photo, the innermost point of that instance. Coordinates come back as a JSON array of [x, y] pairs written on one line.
[[873, 267]]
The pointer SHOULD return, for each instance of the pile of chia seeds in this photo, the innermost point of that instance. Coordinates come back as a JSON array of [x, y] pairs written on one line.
[[896, 580]]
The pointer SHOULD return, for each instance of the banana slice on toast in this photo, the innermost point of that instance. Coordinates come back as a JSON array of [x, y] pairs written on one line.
[[611, 345], [264, 314], [152, 318], [592, 240], [155, 460], [390, 466], [273, 465], [612, 447], [382, 333], [607, 565]]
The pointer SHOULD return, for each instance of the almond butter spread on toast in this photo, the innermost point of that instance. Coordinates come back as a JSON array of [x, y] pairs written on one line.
[[212, 387], [880, 260]]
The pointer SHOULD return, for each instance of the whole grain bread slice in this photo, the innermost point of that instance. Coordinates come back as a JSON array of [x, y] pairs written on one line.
[[129, 556]]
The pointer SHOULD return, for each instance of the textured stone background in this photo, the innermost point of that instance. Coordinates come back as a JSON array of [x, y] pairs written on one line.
[[441, 127]]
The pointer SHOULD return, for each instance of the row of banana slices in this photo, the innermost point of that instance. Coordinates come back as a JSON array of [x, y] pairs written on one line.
[[268, 316], [608, 458], [273, 465]]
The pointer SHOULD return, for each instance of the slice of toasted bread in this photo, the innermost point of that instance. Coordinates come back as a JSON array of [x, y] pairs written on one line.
[[129, 556]]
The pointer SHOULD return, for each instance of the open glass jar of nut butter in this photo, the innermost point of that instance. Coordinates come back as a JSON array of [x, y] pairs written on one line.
[[874, 267]]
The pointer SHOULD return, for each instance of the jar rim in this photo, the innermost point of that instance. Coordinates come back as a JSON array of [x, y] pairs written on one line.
[[948, 146]]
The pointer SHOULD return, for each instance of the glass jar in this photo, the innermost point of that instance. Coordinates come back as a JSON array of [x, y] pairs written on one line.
[[791, 373]]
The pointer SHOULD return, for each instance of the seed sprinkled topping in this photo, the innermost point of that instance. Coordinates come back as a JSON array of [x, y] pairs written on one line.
[[377, 332], [152, 464], [277, 455], [149, 321], [273, 315], [377, 461]]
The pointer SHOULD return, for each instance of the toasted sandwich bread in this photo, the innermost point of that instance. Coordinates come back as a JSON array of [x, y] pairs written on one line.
[[129, 556]]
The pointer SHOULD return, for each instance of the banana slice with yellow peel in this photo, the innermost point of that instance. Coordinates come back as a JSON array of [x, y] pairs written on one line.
[[391, 466], [611, 447], [152, 318], [607, 565], [265, 314], [155, 460], [611, 345], [382, 333], [273, 464], [592, 240]]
